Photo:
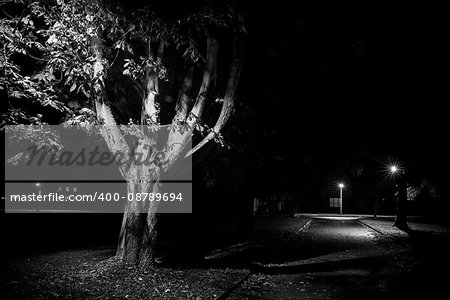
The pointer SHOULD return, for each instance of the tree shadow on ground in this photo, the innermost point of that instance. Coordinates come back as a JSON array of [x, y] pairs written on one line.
[[272, 242]]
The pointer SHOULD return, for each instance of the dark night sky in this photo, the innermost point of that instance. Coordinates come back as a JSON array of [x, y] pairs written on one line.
[[362, 73]]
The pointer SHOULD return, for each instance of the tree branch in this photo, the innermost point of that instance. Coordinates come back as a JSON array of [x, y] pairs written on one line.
[[36, 58], [138, 85], [150, 107], [180, 133], [159, 58], [209, 73], [20, 19], [183, 99], [111, 133], [6, 14], [229, 99]]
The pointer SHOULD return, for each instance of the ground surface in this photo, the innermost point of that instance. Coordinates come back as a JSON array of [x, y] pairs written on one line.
[[306, 257]]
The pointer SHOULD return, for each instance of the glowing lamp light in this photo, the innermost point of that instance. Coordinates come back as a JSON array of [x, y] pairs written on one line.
[[393, 169], [341, 186]]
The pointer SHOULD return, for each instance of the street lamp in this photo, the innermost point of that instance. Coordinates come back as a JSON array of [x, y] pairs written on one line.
[[38, 185], [341, 186], [393, 169], [400, 185]]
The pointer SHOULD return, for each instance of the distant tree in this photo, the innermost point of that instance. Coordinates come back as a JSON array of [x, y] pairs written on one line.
[[401, 201], [425, 189], [72, 58], [412, 192], [427, 198]]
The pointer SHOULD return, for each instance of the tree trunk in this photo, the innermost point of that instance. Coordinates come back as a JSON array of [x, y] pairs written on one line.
[[376, 206], [400, 218], [138, 233]]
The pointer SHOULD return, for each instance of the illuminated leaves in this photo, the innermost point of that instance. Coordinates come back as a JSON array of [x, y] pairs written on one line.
[[49, 60], [123, 45]]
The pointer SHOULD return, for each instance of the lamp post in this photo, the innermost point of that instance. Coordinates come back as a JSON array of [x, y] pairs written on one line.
[[341, 186], [400, 184], [38, 185]]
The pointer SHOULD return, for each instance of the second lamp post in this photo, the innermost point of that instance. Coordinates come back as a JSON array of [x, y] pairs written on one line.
[[341, 186]]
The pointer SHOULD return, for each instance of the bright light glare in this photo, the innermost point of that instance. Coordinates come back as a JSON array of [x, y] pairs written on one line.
[[38, 184], [393, 168], [341, 185]]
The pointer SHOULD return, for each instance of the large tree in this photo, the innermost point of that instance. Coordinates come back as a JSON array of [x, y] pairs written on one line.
[[68, 59]]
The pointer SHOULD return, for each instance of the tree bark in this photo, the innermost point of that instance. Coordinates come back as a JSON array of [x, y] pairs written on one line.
[[150, 107], [184, 97], [376, 206], [401, 195], [209, 73], [229, 98], [138, 233]]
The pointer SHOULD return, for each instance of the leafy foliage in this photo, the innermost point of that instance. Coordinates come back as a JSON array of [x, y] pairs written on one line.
[[51, 69], [47, 57], [425, 189]]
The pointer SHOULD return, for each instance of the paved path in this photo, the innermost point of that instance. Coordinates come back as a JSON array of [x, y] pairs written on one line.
[[340, 258], [322, 236]]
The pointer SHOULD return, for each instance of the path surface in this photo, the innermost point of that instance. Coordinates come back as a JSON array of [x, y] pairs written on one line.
[[316, 238], [336, 258], [287, 258]]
